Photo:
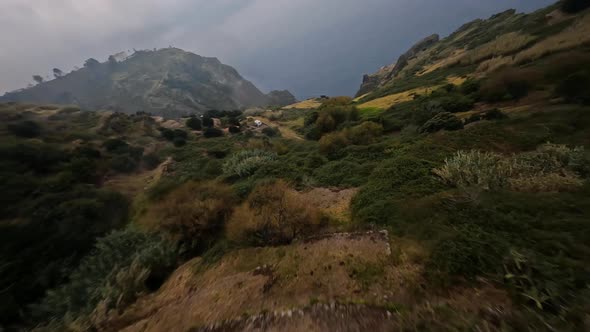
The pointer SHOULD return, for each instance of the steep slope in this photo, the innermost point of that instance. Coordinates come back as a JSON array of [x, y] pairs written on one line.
[[478, 48], [168, 82]]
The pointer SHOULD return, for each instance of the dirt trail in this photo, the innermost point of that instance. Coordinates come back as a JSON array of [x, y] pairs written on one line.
[[286, 132]]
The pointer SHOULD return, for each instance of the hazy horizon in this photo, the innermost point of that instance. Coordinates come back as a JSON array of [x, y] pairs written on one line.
[[301, 46]]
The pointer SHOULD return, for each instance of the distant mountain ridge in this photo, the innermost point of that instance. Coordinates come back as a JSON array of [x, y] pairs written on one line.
[[169, 82]]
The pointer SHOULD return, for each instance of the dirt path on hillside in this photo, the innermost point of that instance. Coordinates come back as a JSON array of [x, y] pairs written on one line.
[[286, 132]]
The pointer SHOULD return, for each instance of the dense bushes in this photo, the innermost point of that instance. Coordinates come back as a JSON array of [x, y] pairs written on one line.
[[246, 162], [442, 121], [123, 265], [192, 214], [365, 133], [575, 87], [332, 115], [272, 215], [194, 123], [212, 132], [26, 129], [550, 167], [509, 84]]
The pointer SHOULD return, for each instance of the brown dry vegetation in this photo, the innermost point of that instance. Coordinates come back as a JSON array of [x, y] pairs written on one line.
[[273, 214], [341, 268]]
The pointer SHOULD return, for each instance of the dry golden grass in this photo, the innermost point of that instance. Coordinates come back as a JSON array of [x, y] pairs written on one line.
[[455, 80], [360, 97], [306, 104], [503, 44], [331, 268], [447, 61], [494, 64], [575, 35], [394, 99]]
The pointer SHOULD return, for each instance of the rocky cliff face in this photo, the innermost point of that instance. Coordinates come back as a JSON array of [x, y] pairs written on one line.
[[169, 82], [371, 82]]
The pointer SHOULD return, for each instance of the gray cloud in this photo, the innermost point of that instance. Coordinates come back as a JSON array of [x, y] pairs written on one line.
[[307, 46]]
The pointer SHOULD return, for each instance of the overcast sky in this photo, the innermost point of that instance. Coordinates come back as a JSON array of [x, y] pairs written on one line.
[[310, 47]]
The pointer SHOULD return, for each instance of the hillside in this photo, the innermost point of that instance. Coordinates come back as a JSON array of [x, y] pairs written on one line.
[[447, 196], [480, 48], [168, 82]]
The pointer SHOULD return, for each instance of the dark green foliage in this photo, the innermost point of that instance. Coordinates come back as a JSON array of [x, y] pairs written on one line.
[[62, 227], [442, 121], [472, 118], [574, 6], [151, 161], [234, 129], [343, 174], [194, 123], [179, 142], [176, 136], [115, 144], [271, 132], [207, 121], [122, 265], [27, 129], [470, 86], [494, 114], [575, 87], [213, 132], [123, 164], [391, 181], [455, 103], [470, 253]]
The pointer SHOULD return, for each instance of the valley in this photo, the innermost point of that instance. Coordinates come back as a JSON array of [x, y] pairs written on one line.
[[452, 193]]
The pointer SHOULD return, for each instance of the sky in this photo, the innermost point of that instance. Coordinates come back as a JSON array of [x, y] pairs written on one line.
[[310, 47]]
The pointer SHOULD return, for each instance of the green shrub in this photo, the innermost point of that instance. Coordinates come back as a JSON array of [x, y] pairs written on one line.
[[246, 162], [271, 132], [212, 132], [179, 142], [194, 123], [333, 142], [455, 103], [494, 114], [550, 168], [474, 169], [575, 88], [470, 86], [472, 118], [151, 161], [115, 144], [110, 278], [123, 164], [27, 129], [470, 253], [442, 121], [207, 122]]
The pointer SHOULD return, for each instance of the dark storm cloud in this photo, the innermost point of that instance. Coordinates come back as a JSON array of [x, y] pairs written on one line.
[[310, 47]]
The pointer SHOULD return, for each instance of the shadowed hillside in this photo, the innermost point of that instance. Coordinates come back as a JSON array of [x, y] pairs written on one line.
[[168, 82]]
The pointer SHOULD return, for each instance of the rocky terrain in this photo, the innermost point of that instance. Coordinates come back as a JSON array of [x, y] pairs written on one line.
[[168, 82]]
